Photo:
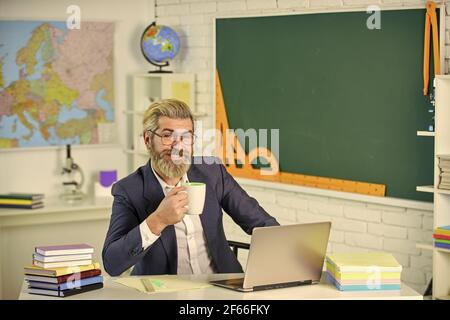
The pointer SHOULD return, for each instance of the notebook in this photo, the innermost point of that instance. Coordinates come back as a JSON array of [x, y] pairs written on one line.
[[56, 272], [65, 293], [69, 257], [64, 249], [361, 261], [61, 279], [66, 285], [47, 265]]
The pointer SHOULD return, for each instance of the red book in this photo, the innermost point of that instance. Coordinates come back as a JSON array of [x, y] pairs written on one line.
[[441, 236], [62, 279]]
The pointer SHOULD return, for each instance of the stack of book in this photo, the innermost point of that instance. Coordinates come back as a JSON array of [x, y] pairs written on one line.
[[442, 237], [363, 271], [22, 200], [444, 166], [63, 270]]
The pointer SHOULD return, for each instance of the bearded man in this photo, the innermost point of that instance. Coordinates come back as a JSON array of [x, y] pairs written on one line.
[[149, 228]]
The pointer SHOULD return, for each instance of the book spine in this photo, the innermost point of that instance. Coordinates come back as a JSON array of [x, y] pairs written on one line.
[[49, 265], [22, 206], [21, 196], [70, 270], [81, 283], [440, 236], [82, 275], [442, 232], [442, 245], [65, 258], [15, 201]]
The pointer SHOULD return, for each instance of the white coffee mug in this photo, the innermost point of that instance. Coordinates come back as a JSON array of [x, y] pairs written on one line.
[[196, 192]]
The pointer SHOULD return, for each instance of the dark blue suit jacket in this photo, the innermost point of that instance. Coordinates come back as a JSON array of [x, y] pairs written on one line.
[[139, 194]]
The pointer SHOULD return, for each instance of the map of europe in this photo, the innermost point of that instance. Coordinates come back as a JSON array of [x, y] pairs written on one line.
[[56, 84]]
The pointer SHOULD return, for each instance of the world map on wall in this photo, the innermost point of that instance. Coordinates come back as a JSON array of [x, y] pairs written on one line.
[[56, 84]]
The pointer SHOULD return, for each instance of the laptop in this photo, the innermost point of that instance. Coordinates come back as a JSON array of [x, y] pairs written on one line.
[[283, 256]]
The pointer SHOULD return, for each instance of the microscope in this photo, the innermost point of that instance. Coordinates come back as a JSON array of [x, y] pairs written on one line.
[[74, 179]]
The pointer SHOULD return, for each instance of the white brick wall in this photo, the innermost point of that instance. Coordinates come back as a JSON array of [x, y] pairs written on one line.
[[203, 7], [329, 209], [356, 226], [325, 4], [289, 200], [290, 4], [361, 213], [388, 231], [261, 4], [232, 6], [402, 219], [349, 225], [363, 240]]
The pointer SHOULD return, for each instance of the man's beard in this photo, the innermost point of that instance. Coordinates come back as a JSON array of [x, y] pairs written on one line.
[[173, 168]]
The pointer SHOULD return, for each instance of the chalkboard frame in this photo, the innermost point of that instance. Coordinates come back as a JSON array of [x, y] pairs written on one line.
[[309, 12]]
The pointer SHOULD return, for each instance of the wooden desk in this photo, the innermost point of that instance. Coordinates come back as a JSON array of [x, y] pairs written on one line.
[[57, 223], [324, 290]]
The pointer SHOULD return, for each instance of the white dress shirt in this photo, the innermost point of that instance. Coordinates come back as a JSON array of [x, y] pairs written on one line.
[[193, 254]]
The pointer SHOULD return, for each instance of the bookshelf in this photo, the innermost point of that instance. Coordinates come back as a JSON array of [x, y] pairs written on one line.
[[146, 88], [441, 257]]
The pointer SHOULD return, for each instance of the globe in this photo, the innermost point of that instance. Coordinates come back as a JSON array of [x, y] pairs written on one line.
[[159, 44]]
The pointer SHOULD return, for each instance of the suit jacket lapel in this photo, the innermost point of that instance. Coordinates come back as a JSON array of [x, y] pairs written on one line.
[[154, 194]]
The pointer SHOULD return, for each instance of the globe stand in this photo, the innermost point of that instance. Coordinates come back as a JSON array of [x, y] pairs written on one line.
[[160, 66]]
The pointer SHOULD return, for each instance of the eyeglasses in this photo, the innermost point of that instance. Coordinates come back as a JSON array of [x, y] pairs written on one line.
[[168, 138]]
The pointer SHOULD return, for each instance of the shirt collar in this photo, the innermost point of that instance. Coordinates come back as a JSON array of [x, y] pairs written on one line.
[[163, 184]]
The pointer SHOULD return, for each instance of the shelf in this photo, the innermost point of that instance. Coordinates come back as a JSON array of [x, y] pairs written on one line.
[[429, 189], [425, 133], [424, 246]]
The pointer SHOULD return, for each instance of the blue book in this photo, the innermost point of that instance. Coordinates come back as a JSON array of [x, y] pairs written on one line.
[[362, 287], [442, 245], [65, 285]]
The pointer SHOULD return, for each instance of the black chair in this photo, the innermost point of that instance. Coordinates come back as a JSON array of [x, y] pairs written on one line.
[[236, 245]]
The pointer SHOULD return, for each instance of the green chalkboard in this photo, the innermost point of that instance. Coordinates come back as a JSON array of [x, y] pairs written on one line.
[[348, 100]]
